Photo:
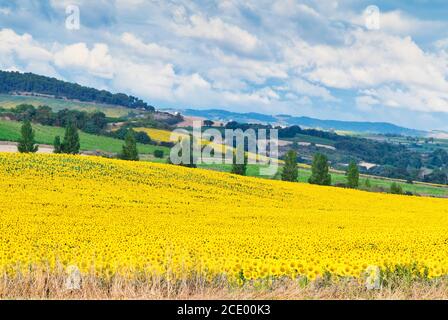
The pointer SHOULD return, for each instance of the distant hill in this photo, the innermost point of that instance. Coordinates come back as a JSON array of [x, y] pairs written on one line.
[[36, 85], [362, 127]]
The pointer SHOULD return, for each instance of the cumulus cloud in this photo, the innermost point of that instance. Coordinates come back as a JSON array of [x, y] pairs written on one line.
[[147, 80], [380, 61], [288, 55], [217, 30], [22, 47], [146, 49], [96, 61]]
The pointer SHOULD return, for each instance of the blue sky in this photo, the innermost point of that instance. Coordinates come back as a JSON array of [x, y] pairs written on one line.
[[313, 58]]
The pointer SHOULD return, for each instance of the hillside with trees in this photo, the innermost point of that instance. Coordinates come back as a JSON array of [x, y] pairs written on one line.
[[391, 160], [25, 83]]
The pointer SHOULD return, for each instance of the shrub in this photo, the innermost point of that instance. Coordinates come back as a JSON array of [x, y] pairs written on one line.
[[158, 154], [395, 188]]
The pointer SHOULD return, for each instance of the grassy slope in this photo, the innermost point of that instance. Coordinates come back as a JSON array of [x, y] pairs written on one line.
[[10, 131], [8, 101]]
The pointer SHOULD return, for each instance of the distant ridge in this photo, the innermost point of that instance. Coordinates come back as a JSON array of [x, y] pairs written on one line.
[[354, 126]]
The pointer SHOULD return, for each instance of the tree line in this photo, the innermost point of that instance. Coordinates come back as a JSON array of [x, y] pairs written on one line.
[[70, 143], [320, 175], [16, 82], [90, 122], [396, 161]]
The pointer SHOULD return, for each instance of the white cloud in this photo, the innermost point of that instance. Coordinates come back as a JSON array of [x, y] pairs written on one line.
[[251, 70], [217, 30], [146, 49], [293, 8], [399, 23], [22, 47], [372, 60], [97, 61], [304, 87], [366, 102], [288, 54], [152, 81], [414, 98], [23, 53]]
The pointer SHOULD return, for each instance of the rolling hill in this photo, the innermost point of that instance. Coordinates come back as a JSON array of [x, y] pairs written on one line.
[[306, 122], [8, 101], [10, 131], [33, 84]]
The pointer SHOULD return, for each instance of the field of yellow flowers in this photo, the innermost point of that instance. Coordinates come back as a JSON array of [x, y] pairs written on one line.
[[110, 217]]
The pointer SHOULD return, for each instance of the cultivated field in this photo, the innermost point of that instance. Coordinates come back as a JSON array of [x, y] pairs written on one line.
[[10, 101], [155, 231], [10, 131], [377, 184], [157, 134]]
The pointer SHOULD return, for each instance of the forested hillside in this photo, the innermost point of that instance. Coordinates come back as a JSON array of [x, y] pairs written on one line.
[[16, 82]]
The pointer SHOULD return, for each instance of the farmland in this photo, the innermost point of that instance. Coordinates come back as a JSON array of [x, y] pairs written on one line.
[[367, 182], [113, 219], [375, 183], [157, 134], [11, 101], [10, 131]]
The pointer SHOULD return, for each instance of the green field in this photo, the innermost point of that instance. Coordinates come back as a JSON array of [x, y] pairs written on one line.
[[10, 131], [418, 144], [376, 183], [311, 139], [9, 101]]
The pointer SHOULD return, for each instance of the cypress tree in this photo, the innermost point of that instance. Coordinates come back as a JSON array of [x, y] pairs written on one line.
[[352, 175], [26, 143], [320, 171], [71, 140], [130, 151], [57, 145], [188, 143], [239, 168], [290, 170]]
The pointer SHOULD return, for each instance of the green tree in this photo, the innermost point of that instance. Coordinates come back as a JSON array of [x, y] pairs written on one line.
[[159, 154], [26, 143], [239, 168], [208, 123], [320, 171], [71, 143], [290, 171], [352, 175], [367, 183], [57, 145], [395, 188], [186, 144], [130, 151]]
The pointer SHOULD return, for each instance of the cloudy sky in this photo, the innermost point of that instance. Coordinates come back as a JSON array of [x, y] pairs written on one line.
[[325, 59]]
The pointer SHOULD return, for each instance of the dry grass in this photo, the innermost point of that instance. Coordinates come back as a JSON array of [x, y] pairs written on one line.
[[44, 285]]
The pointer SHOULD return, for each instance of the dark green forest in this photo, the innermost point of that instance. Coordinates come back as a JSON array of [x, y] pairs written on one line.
[[15, 82]]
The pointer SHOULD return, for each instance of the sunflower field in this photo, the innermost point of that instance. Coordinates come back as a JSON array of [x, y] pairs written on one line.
[[111, 217]]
